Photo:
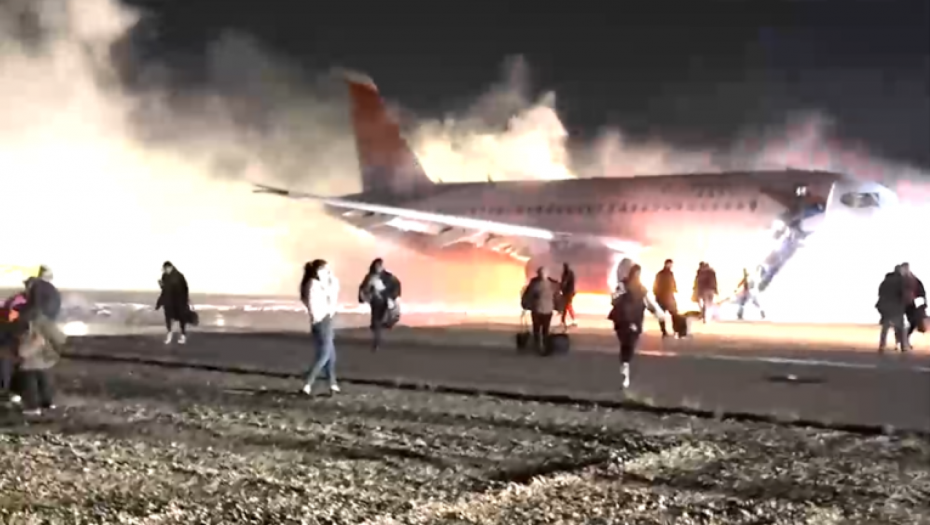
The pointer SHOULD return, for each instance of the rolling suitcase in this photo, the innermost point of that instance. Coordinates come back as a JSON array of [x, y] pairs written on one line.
[[557, 344], [681, 324]]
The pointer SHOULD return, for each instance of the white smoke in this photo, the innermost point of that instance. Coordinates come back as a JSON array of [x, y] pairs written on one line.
[[105, 183]]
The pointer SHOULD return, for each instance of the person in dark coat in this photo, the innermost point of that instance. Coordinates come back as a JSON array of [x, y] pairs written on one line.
[[380, 289], [665, 289], [175, 300], [915, 297], [539, 298], [629, 303], [891, 306], [567, 287], [705, 288]]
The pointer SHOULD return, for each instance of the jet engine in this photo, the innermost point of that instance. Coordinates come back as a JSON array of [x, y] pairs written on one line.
[[595, 268]]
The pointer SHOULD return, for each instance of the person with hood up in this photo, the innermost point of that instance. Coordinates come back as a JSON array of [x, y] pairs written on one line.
[[539, 297], [891, 306], [567, 288], [629, 302], [320, 294], [915, 297], [380, 289], [12, 328], [175, 300], [665, 289]]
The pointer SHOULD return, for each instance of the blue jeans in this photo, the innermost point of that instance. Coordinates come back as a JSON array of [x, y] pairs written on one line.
[[323, 334]]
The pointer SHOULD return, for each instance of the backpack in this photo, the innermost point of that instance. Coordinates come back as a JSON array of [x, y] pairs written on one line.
[[526, 299]]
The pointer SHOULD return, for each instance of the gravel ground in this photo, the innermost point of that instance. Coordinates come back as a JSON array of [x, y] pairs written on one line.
[[146, 445]]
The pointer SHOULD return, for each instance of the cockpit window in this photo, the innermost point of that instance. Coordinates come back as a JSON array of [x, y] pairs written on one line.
[[860, 200]]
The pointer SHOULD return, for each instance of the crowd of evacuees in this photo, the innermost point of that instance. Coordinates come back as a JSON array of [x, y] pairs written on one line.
[[31, 342], [902, 304]]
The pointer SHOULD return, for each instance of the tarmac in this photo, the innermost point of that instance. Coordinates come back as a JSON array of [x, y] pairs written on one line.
[[782, 373]]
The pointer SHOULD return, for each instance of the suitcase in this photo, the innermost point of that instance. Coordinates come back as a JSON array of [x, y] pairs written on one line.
[[681, 324], [557, 344]]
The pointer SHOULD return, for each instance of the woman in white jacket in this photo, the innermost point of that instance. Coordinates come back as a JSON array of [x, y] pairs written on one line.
[[319, 291]]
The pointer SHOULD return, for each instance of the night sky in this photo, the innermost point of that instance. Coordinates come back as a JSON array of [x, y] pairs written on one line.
[[693, 72]]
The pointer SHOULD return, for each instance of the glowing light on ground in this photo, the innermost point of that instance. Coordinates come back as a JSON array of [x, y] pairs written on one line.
[[75, 328]]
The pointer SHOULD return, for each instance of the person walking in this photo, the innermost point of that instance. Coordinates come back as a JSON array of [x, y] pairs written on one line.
[[891, 306], [175, 300], [539, 298], [380, 289], [320, 294], [567, 288], [629, 303]]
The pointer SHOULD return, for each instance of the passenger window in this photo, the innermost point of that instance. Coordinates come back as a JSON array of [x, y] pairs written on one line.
[[632, 207], [623, 208], [612, 208], [740, 205], [727, 205], [539, 209], [550, 209], [753, 204], [519, 209]]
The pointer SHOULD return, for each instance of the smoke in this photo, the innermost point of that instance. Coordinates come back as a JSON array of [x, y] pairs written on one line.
[[113, 166], [114, 163]]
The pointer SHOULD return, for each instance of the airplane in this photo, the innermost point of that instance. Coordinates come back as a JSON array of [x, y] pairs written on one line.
[[590, 223]]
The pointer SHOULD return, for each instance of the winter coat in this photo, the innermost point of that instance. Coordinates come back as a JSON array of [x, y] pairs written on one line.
[[539, 296], [913, 288], [379, 288], [628, 306], [36, 348], [665, 287], [706, 281], [175, 296], [891, 301], [567, 285], [43, 298]]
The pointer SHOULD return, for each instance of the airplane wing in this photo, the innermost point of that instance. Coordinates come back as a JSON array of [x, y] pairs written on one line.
[[473, 226]]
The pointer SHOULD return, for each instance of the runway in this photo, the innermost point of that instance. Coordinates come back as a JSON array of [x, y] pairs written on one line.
[[824, 373], [891, 392]]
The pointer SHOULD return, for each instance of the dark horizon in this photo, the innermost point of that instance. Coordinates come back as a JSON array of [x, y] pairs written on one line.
[[697, 74]]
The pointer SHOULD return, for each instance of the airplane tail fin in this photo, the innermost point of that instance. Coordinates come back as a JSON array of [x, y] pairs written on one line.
[[387, 164]]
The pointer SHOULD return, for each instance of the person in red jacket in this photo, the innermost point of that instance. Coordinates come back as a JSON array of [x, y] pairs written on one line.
[[11, 328]]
